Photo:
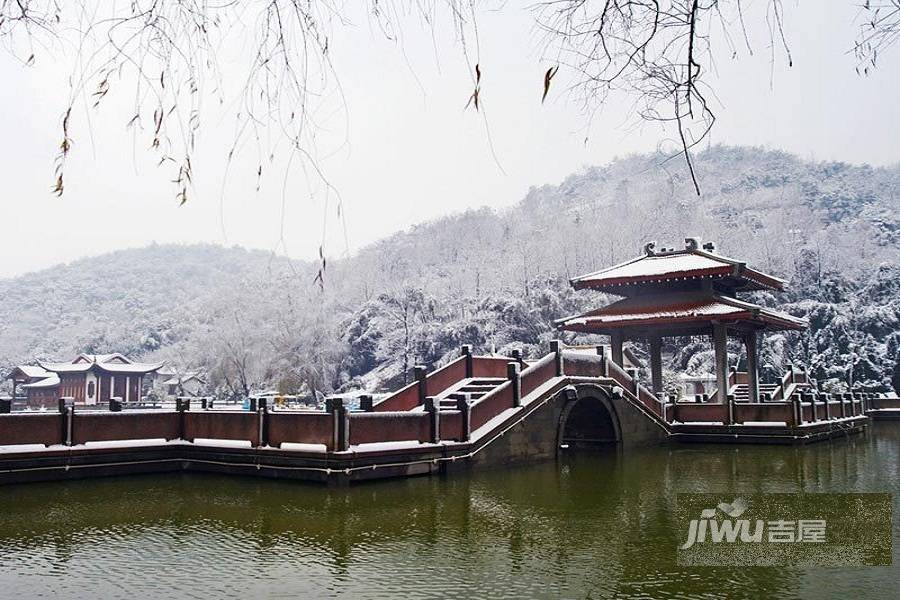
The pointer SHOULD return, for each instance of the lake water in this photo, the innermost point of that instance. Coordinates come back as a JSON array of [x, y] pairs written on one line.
[[591, 526]]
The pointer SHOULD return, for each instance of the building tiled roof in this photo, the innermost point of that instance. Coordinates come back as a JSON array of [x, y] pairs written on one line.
[[33, 371], [129, 368], [103, 358], [111, 363], [51, 380], [67, 367], [687, 308]]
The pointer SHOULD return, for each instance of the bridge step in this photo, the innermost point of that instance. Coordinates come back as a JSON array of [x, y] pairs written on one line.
[[475, 388], [461, 395]]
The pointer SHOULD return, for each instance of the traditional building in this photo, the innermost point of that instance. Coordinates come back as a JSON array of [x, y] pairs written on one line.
[[89, 379], [680, 293], [187, 384]]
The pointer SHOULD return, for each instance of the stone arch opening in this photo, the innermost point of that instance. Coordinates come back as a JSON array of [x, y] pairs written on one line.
[[588, 422]]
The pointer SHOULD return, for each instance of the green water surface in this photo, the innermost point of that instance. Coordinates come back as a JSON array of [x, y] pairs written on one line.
[[597, 525]]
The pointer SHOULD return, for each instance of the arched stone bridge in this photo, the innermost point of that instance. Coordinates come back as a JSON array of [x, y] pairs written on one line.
[[476, 412]]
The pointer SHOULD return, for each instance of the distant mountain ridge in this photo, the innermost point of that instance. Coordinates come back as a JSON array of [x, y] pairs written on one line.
[[488, 277]]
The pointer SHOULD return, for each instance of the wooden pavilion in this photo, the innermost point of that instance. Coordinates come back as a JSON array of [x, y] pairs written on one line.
[[679, 293]]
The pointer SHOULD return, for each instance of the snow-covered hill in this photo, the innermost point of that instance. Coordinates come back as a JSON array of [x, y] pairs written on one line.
[[495, 279]]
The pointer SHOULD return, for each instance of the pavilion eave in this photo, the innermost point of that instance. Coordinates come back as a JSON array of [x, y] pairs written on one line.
[[678, 315], [676, 327]]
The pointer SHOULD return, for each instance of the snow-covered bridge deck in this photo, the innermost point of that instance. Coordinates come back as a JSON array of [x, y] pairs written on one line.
[[475, 411]]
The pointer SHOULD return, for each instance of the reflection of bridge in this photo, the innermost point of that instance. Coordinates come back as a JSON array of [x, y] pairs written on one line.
[[481, 410], [475, 411]]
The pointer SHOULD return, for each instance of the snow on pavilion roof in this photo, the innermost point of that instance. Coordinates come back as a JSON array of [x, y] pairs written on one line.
[[129, 368], [103, 358], [677, 309], [111, 363], [51, 380], [30, 371], [673, 266]]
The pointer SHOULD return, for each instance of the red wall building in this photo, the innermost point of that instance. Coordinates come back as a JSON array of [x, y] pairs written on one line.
[[89, 379]]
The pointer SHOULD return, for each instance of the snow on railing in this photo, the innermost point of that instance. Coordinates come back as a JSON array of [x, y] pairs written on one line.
[[538, 373], [437, 381], [467, 366], [492, 404], [373, 427]]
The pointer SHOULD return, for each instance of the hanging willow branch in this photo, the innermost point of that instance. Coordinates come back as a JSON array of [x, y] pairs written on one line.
[[658, 52]]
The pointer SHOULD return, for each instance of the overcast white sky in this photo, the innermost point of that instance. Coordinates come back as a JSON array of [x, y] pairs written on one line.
[[412, 153]]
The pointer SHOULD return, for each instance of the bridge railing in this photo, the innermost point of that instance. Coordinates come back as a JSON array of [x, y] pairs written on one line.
[[632, 386], [537, 374], [489, 366], [239, 426], [583, 365], [801, 408], [91, 426], [884, 401], [763, 412], [492, 404], [466, 366], [72, 427], [452, 425], [699, 413], [305, 427], [47, 429], [394, 426]]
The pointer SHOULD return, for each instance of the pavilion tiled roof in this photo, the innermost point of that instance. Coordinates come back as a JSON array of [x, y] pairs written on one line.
[[51, 380], [686, 308], [111, 363], [675, 266], [33, 371]]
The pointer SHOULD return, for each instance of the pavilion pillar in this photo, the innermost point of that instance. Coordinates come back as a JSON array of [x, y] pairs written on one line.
[[720, 346], [616, 342], [750, 344], [656, 364]]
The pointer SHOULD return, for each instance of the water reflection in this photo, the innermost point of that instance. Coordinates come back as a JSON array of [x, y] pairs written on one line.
[[592, 526]]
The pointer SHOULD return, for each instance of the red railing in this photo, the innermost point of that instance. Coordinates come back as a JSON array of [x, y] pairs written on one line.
[[406, 398], [371, 427], [881, 401], [242, 426], [578, 364], [451, 425], [47, 429], [352, 428], [763, 412], [632, 388], [436, 382], [103, 427], [448, 375], [489, 366], [300, 428], [537, 374], [706, 413], [492, 404]]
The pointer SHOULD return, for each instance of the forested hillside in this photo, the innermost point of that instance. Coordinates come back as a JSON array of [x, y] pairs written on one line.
[[495, 279]]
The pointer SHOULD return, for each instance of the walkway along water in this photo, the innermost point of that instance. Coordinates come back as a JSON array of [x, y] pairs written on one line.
[[477, 411]]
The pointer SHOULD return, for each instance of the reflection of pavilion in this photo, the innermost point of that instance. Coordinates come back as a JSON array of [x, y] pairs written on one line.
[[680, 293]]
